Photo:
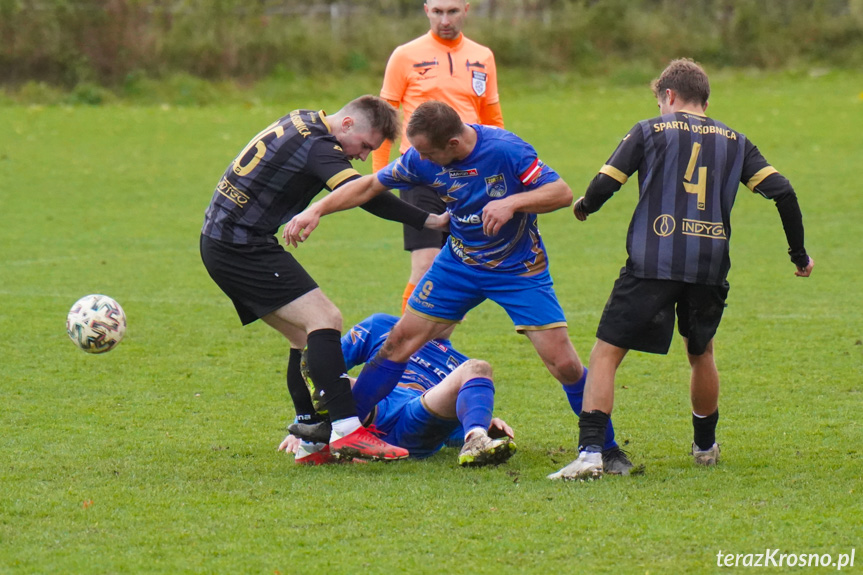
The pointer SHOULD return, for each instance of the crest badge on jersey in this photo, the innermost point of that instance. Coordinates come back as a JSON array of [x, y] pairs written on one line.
[[495, 186], [479, 81]]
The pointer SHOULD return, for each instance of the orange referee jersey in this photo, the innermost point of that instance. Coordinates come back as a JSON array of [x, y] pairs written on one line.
[[459, 72]]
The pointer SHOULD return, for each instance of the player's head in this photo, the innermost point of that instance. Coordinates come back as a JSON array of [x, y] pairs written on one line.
[[446, 17], [363, 124], [686, 79], [435, 132]]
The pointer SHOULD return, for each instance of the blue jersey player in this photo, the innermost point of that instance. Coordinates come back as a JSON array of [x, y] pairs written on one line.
[[441, 394], [689, 169], [493, 184]]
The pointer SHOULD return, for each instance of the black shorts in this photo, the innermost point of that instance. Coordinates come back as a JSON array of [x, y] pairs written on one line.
[[639, 313], [429, 200], [259, 278]]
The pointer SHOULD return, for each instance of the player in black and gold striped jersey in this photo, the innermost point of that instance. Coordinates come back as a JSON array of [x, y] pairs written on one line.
[[689, 169], [273, 178]]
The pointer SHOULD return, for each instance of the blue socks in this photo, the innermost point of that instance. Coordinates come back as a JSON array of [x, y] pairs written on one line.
[[475, 403], [575, 395], [377, 379]]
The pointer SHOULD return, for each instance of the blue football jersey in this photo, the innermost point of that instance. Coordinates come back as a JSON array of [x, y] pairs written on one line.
[[427, 367], [500, 165]]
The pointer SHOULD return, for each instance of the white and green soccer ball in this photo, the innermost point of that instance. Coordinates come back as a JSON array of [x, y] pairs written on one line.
[[96, 323]]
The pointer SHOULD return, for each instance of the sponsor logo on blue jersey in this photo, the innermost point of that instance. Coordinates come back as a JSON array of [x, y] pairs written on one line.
[[463, 173], [468, 219]]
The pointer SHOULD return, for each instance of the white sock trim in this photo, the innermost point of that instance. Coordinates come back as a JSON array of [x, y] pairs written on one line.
[[473, 431], [342, 427]]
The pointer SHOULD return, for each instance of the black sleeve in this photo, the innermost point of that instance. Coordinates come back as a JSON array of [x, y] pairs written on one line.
[[389, 207], [762, 178], [601, 188], [619, 167], [778, 188]]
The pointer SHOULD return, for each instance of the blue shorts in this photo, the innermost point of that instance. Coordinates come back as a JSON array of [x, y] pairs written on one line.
[[407, 423], [450, 289]]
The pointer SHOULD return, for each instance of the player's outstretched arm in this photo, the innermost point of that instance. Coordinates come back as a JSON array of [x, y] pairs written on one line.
[[345, 197], [775, 186], [546, 198], [600, 189], [389, 207]]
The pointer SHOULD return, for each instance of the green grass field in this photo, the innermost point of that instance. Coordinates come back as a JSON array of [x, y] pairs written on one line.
[[160, 456]]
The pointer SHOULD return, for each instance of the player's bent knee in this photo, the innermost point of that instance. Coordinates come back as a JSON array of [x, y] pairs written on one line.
[[329, 313], [478, 368], [327, 317]]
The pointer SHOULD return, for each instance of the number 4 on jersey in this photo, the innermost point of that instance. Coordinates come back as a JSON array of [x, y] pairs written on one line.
[[699, 188]]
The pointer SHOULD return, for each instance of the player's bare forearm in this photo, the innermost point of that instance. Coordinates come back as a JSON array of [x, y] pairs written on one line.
[[349, 195], [544, 199], [346, 196]]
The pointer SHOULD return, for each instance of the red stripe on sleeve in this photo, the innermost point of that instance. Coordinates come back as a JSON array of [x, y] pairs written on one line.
[[530, 173]]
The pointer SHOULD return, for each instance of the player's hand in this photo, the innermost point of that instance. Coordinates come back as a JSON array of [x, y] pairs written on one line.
[[301, 227], [494, 215], [499, 428], [439, 222], [290, 444], [578, 209], [805, 272]]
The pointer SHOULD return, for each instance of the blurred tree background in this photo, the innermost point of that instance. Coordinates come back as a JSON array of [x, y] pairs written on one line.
[[118, 44]]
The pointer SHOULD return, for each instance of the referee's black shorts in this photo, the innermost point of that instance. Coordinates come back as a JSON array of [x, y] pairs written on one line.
[[640, 313], [429, 200], [259, 278]]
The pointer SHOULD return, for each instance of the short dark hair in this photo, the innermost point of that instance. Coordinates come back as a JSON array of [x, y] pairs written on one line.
[[437, 121], [685, 77], [380, 115]]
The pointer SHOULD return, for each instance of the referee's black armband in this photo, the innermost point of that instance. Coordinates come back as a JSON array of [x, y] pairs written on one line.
[[387, 206]]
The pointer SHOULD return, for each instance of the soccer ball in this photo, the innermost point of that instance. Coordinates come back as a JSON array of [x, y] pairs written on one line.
[[96, 323]]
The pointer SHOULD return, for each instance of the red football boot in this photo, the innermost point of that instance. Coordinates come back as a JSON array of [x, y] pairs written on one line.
[[310, 454], [363, 445]]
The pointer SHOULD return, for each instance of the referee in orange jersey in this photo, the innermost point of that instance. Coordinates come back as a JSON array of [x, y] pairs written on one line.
[[446, 66]]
